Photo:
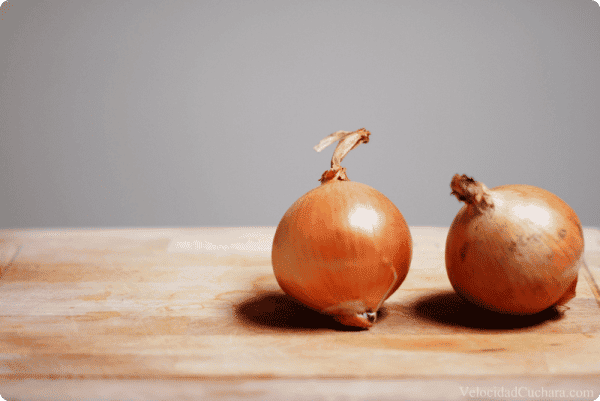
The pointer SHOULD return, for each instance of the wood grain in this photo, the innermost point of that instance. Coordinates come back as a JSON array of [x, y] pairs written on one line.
[[127, 306], [8, 252]]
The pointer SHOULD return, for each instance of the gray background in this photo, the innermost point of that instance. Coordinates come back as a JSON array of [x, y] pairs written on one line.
[[204, 113]]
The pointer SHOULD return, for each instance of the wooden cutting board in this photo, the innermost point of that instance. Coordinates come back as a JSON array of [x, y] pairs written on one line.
[[197, 313]]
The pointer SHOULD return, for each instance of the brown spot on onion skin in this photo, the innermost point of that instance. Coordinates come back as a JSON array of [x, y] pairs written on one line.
[[463, 250]]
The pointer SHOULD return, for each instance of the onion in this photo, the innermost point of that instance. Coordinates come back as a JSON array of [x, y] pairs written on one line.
[[343, 247], [513, 249]]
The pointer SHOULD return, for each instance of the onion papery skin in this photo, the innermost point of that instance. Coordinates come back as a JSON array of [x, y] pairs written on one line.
[[520, 256], [336, 250]]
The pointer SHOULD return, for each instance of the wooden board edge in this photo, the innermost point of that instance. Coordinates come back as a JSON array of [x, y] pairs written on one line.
[[400, 388]]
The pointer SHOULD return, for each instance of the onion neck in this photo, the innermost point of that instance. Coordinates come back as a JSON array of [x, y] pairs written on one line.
[[348, 140], [471, 192]]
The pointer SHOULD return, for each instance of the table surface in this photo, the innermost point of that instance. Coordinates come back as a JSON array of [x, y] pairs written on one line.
[[187, 313]]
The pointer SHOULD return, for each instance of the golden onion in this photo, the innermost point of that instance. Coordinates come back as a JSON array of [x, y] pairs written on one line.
[[343, 247], [513, 249]]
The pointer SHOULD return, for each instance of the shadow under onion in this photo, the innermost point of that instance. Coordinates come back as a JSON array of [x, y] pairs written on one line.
[[450, 309], [277, 311]]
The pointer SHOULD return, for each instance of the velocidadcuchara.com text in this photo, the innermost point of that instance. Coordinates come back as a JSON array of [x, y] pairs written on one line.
[[527, 393]]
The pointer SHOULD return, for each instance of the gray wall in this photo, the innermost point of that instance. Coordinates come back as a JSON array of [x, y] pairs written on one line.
[[204, 113]]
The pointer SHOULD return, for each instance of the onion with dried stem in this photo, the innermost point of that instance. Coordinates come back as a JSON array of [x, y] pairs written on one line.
[[513, 249], [343, 248]]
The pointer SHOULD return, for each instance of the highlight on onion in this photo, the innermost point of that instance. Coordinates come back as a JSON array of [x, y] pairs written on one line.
[[343, 248], [513, 249]]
